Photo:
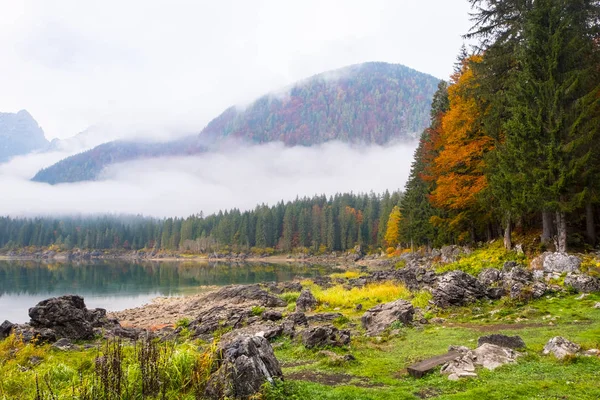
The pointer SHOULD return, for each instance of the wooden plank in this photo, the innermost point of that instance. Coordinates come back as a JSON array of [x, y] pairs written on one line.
[[418, 370]]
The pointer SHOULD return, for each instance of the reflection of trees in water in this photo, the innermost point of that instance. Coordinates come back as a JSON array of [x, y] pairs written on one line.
[[105, 276]]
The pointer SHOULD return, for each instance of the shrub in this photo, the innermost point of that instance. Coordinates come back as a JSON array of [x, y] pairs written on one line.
[[492, 256], [257, 311]]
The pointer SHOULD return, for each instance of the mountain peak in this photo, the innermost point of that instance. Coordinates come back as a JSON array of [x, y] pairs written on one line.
[[19, 134]]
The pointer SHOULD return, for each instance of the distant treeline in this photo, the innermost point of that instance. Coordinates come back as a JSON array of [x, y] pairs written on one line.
[[317, 224]]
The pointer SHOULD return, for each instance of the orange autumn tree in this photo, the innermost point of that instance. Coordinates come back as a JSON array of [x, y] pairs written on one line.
[[459, 165]]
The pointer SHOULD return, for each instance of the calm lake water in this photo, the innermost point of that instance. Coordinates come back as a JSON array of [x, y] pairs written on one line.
[[117, 285]]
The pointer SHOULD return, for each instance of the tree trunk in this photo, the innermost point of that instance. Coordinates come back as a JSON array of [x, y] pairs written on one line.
[[590, 225], [561, 232], [507, 233], [546, 227]]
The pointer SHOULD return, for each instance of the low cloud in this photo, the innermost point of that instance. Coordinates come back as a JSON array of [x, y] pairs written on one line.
[[239, 177]]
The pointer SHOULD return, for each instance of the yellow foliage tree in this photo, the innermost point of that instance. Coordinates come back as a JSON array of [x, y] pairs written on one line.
[[392, 232]]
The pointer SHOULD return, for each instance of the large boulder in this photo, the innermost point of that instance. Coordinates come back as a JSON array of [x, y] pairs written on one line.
[[245, 364], [306, 301], [238, 294], [583, 283], [457, 288], [325, 335], [561, 347], [560, 262], [68, 317], [382, 316], [487, 355]]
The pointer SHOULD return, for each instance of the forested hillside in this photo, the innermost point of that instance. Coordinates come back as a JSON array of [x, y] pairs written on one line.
[[88, 165], [315, 224], [368, 103], [514, 138]]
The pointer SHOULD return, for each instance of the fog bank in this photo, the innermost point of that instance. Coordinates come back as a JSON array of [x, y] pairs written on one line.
[[240, 177]]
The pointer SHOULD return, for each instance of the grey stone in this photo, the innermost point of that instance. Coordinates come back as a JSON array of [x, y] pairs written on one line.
[[561, 347], [245, 364], [512, 342], [583, 283], [306, 301], [382, 316], [457, 288], [561, 262], [5, 329], [64, 344], [246, 294], [490, 276], [325, 335], [272, 315]]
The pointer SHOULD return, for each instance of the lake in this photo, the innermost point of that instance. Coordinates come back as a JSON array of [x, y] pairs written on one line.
[[117, 285]]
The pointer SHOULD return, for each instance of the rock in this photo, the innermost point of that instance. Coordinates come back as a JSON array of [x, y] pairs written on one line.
[[509, 265], [325, 335], [583, 283], [358, 307], [324, 317], [64, 344], [413, 275], [597, 305], [457, 288], [491, 356], [561, 262], [306, 301], [450, 254], [271, 315], [592, 353], [538, 289], [495, 293], [490, 276], [67, 316], [245, 364], [424, 367], [382, 316], [298, 318], [561, 347], [512, 342], [246, 294], [219, 317], [5, 329], [291, 286], [28, 333], [518, 274], [336, 358]]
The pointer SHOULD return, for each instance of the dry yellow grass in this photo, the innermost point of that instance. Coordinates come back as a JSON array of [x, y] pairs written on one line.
[[368, 295], [346, 275]]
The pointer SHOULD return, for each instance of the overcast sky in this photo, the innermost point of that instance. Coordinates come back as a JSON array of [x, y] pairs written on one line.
[[177, 64]]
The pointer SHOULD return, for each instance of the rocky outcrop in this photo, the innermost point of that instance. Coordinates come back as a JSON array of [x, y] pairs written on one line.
[[490, 276], [488, 356], [306, 301], [326, 335], [244, 365], [457, 288], [238, 294], [381, 317], [272, 315], [68, 317], [511, 342], [560, 262], [561, 347], [583, 283], [219, 317]]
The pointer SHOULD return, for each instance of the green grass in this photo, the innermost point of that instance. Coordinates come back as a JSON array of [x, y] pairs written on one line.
[[379, 372]]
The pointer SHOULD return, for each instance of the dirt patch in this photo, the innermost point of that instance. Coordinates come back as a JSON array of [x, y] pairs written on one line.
[[296, 364], [507, 327], [331, 379], [428, 393]]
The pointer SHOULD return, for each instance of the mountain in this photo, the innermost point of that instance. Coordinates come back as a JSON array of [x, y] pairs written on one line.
[[367, 103], [19, 134], [370, 103]]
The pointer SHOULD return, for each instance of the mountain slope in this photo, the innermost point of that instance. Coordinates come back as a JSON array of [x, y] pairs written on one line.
[[19, 134], [369, 103], [89, 164]]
